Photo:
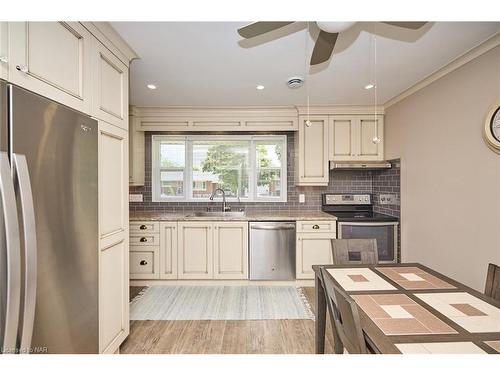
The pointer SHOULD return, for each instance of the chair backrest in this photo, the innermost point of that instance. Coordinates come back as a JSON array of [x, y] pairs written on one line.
[[354, 251], [345, 316], [492, 288]]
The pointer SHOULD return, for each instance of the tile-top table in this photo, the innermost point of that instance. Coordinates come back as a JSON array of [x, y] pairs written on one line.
[[409, 308]]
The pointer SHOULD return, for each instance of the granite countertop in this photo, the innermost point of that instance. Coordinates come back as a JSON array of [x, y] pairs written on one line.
[[249, 216]]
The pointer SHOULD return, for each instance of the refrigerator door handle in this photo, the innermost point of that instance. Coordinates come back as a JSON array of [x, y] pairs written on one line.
[[13, 247], [23, 186]]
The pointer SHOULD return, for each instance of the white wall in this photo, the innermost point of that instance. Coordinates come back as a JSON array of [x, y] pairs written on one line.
[[450, 179]]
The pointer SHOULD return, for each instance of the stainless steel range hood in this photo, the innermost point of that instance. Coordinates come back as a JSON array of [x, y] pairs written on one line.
[[353, 165]]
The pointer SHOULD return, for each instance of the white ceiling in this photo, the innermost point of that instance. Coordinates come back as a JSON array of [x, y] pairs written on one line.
[[208, 64]]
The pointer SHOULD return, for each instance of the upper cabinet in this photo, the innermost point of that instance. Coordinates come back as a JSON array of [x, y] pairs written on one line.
[[109, 86], [312, 150], [53, 60], [356, 138], [4, 50]]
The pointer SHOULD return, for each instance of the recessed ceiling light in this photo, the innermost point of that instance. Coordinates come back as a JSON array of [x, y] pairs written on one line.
[[151, 86], [259, 87], [369, 86]]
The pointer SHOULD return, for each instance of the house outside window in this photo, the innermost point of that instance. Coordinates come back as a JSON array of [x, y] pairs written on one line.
[[248, 168]]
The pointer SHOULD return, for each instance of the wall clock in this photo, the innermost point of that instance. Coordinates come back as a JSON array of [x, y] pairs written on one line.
[[492, 128]]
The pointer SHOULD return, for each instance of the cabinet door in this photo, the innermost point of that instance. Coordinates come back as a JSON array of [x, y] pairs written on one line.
[[136, 153], [342, 138], [195, 250], [109, 86], [4, 50], [144, 262], [113, 237], [53, 60], [231, 250], [313, 150], [370, 138], [168, 250], [312, 248]]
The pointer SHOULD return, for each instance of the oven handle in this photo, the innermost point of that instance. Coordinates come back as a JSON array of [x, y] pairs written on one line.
[[367, 224]]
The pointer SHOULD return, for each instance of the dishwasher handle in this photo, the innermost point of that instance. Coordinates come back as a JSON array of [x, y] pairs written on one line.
[[273, 227]]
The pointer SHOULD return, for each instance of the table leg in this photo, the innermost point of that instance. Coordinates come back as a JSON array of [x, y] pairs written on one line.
[[320, 323]]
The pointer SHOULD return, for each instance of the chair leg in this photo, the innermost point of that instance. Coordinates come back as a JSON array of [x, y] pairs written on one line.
[[338, 347]]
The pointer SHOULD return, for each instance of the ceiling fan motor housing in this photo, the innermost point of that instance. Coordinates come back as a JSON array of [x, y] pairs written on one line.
[[295, 82]]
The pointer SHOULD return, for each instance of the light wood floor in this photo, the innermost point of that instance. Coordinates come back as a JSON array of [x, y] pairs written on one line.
[[223, 336]]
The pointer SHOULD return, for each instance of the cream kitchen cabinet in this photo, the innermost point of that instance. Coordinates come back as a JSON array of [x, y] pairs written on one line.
[[230, 250], [136, 153], [312, 151], [109, 86], [313, 246], [53, 60], [168, 250], [195, 250], [356, 138], [4, 50], [113, 237]]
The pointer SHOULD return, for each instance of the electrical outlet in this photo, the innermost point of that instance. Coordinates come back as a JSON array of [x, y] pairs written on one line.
[[388, 199], [302, 198], [135, 197]]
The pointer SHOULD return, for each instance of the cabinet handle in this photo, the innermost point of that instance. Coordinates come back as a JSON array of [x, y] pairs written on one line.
[[143, 262], [315, 226], [142, 227], [4, 59], [22, 68], [143, 239]]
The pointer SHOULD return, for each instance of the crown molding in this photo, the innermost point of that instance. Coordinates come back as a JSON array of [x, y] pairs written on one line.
[[470, 55], [110, 37], [250, 111]]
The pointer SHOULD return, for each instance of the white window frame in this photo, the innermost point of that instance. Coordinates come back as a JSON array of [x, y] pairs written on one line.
[[188, 167]]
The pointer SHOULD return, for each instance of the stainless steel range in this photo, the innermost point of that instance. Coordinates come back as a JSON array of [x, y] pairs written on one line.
[[356, 219]]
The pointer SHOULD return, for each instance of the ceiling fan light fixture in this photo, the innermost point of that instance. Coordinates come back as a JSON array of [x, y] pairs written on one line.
[[334, 27]]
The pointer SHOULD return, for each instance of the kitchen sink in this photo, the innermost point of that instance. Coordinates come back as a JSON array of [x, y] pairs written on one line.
[[218, 214]]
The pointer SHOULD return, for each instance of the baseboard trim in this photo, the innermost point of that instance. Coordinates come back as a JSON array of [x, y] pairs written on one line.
[[296, 283]]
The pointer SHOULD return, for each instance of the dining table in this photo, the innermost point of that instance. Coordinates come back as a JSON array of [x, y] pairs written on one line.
[[408, 308]]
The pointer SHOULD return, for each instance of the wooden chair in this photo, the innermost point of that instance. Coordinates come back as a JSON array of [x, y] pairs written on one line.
[[354, 251], [492, 288], [344, 317]]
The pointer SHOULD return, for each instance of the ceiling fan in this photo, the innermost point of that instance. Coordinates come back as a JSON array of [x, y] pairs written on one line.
[[329, 31]]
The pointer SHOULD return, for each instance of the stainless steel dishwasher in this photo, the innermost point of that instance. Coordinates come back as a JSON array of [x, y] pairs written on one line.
[[272, 250]]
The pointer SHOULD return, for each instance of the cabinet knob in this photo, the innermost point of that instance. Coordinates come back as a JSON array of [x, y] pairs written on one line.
[[143, 239], [143, 262], [22, 68], [142, 227], [315, 226], [4, 59]]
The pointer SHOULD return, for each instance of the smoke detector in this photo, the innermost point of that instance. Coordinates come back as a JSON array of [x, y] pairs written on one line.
[[295, 82]]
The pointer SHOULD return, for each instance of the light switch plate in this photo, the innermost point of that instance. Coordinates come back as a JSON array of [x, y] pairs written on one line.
[[302, 198], [388, 199], [135, 197]]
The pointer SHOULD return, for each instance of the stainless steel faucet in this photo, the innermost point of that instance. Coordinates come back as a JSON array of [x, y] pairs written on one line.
[[225, 207]]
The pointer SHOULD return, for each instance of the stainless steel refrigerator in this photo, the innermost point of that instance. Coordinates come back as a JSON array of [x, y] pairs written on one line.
[[48, 226]]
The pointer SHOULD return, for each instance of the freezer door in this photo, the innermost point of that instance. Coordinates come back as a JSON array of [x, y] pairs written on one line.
[[60, 146]]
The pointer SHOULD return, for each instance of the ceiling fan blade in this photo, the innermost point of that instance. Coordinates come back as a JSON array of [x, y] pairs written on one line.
[[324, 47], [407, 25], [258, 28]]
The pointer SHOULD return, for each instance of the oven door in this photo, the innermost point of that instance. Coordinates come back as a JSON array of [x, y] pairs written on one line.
[[386, 234]]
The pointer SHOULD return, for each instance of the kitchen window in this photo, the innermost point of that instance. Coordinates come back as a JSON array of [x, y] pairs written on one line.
[[189, 168]]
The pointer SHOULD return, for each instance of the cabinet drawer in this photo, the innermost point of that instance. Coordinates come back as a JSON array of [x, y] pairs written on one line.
[[316, 226], [144, 263], [144, 227], [144, 239]]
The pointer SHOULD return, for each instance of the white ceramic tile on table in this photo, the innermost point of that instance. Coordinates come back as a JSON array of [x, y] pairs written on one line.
[[396, 312], [488, 321], [466, 347], [373, 281], [412, 277]]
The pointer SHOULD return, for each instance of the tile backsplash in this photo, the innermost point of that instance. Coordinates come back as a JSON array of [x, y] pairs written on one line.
[[375, 182]]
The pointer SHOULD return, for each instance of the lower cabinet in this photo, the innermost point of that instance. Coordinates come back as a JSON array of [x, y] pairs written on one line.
[[313, 248], [195, 250], [168, 250], [144, 262], [230, 250]]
